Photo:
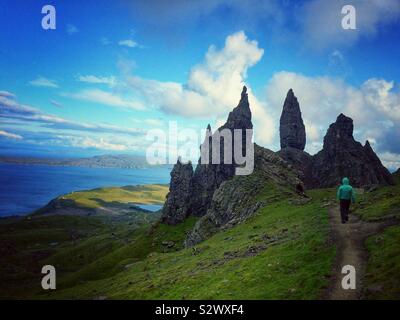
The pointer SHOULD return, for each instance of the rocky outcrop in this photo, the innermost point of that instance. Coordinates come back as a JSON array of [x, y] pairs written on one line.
[[292, 130], [222, 199], [208, 176], [176, 207], [342, 156], [301, 161], [237, 199]]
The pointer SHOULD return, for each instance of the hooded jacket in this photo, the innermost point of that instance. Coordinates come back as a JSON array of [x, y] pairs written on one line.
[[346, 191]]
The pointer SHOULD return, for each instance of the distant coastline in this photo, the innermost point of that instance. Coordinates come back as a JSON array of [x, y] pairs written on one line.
[[102, 161], [25, 188]]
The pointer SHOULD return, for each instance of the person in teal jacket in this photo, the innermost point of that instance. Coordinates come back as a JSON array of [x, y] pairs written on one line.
[[346, 195]]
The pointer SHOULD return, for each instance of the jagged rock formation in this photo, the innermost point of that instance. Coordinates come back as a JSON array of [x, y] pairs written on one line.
[[208, 177], [222, 199], [292, 130], [176, 207], [236, 199], [343, 156]]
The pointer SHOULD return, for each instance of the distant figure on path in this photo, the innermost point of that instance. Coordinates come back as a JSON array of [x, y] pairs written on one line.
[[345, 194]]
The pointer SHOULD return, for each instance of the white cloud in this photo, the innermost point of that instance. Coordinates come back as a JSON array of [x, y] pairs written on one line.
[[374, 106], [71, 29], [7, 94], [128, 43], [106, 98], [11, 109], [56, 104], [154, 122], [213, 87], [44, 82], [96, 143], [390, 160], [10, 135], [110, 81], [321, 21]]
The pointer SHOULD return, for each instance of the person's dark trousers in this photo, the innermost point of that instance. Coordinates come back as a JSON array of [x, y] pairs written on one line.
[[344, 209]]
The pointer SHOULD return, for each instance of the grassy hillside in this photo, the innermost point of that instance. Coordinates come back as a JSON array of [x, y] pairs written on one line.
[[73, 241], [148, 194], [282, 252]]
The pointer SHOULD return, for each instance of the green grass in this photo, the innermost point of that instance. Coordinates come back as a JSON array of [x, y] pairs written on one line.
[[24, 243], [382, 280], [280, 253], [379, 203], [72, 243], [148, 194]]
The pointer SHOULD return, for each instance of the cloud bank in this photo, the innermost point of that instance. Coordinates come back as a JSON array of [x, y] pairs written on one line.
[[213, 87]]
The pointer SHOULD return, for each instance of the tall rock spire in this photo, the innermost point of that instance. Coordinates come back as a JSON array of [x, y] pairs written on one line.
[[292, 130], [240, 117]]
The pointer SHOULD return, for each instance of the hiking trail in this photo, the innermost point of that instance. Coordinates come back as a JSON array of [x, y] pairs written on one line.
[[349, 239]]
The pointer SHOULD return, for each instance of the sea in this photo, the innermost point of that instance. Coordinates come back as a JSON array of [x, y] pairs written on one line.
[[25, 188]]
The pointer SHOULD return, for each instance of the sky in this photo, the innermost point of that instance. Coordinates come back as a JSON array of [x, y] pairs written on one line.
[[111, 72]]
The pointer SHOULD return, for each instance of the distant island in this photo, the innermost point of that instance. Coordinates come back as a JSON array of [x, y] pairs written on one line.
[[101, 161]]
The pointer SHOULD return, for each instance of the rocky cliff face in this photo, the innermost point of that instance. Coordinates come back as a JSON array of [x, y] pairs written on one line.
[[342, 156], [292, 130], [176, 207]]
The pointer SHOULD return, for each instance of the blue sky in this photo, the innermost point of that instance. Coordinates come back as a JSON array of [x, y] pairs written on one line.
[[111, 71]]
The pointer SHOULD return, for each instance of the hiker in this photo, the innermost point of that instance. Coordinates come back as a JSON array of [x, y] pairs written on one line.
[[346, 195]]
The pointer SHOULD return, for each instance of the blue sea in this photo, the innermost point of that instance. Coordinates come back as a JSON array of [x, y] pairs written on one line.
[[25, 188]]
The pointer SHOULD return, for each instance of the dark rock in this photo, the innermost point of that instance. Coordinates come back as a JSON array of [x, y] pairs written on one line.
[[396, 176], [301, 161], [342, 156], [191, 194], [176, 207], [208, 177], [292, 130], [235, 200]]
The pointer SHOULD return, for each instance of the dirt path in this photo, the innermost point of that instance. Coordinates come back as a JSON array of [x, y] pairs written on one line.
[[349, 239]]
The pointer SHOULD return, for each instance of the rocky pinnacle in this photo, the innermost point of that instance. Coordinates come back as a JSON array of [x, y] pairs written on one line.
[[292, 130]]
